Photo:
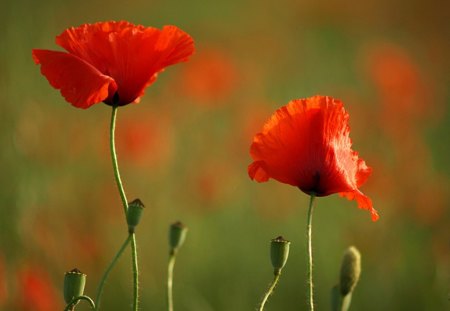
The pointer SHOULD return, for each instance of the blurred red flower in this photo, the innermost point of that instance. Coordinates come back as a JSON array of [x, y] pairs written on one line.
[[146, 142], [3, 288], [111, 62], [210, 77], [36, 291], [306, 144]]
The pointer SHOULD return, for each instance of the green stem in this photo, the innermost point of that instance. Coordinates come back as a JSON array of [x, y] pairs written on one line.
[[310, 257], [170, 266], [70, 306], [270, 290], [123, 197], [135, 272], [108, 270], [112, 144]]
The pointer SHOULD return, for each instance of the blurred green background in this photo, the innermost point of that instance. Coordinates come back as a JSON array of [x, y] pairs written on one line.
[[184, 152]]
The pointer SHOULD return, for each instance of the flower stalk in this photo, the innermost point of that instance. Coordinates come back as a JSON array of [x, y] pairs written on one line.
[[309, 254], [134, 259], [269, 291], [112, 145], [108, 270], [170, 265], [132, 236]]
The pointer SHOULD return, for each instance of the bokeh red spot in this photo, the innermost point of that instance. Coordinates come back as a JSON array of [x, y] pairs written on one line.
[[210, 77], [36, 291]]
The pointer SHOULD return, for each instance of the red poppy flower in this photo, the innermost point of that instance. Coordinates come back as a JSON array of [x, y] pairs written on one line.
[[210, 78], [111, 62], [306, 144], [36, 291]]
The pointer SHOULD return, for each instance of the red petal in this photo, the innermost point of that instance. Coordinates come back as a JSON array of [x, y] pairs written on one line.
[[257, 172], [132, 55], [364, 202], [363, 172], [80, 83], [174, 45]]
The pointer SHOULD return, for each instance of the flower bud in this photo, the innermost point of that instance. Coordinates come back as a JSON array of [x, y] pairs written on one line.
[[177, 235], [74, 282], [134, 213], [279, 252], [350, 270]]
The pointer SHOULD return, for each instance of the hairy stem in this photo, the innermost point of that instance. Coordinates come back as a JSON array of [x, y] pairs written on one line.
[[135, 272], [310, 256], [123, 197], [269, 290], [112, 145]]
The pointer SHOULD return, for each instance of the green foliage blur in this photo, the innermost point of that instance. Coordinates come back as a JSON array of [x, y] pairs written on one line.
[[184, 152]]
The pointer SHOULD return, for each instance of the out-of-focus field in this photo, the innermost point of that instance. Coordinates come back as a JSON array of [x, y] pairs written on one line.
[[184, 152]]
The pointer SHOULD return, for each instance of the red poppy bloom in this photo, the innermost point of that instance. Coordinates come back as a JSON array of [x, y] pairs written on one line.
[[210, 78], [306, 144], [36, 291], [111, 62]]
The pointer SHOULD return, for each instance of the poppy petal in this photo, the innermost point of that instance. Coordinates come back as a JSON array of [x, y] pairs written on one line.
[[175, 45], [157, 50], [257, 172], [80, 83], [364, 202], [363, 172], [93, 43]]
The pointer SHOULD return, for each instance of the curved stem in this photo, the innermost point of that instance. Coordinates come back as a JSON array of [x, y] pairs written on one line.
[[269, 290], [112, 145], [135, 272], [70, 306], [108, 270], [170, 266], [309, 251], [123, 197]]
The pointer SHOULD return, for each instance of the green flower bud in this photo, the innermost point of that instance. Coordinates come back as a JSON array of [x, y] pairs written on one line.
[[350, 270], [177, 235], [279, 252], [134, 213], [74, 282]]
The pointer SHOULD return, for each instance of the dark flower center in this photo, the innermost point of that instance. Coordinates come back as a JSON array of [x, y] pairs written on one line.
[[114, 101]]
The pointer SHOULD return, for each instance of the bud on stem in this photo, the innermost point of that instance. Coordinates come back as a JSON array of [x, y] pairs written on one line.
[[134, 214], [74, 282], [341, 295], [279, 252], [350, 270], [177, 235]]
